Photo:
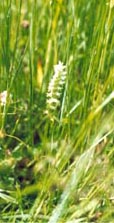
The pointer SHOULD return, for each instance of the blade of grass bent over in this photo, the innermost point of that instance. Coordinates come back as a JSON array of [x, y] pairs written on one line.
[[81, 167]]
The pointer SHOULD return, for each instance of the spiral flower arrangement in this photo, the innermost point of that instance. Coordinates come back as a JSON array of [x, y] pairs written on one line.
[[55, 88]]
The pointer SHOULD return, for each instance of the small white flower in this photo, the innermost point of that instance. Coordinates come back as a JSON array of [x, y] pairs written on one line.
[[3, 97], [53, 101], [59, 67]]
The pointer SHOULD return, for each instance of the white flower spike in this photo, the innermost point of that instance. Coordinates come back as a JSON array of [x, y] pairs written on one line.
[[55, 88]]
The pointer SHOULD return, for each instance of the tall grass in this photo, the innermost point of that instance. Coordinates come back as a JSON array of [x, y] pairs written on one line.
[[56, 122]]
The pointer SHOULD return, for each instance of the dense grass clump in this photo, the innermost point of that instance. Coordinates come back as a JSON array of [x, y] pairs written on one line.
[[56, 111]]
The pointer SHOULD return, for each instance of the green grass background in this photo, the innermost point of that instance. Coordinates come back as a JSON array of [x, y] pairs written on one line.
[[59, 171]]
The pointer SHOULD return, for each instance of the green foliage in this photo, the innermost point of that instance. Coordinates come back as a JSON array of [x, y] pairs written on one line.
[[56, 127]]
